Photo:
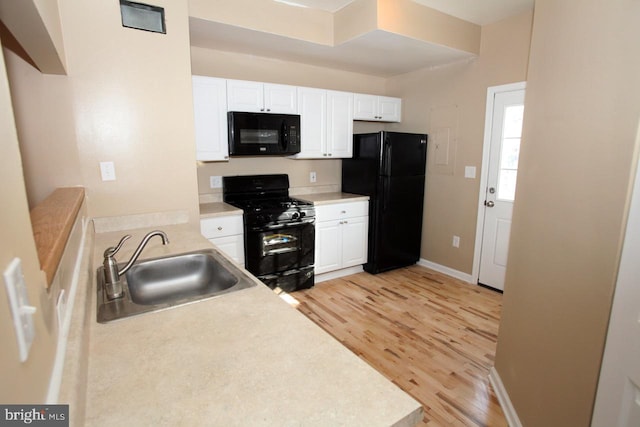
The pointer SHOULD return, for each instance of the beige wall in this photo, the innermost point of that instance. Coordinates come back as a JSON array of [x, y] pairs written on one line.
[[246, 67], [581, 116], [21, 382], [454, 96], [126, 99], [46, 129]]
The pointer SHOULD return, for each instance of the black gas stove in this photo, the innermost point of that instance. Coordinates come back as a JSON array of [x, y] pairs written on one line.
[[259, 212], [279, 232]]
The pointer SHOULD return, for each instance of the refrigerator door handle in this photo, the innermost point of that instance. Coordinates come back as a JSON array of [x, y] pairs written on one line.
[[386, 165]]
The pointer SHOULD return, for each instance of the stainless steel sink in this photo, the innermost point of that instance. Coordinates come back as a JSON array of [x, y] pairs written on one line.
[[160, 283]]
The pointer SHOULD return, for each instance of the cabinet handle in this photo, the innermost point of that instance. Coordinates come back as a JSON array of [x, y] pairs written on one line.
[[268, 109], [345, 222], [330, 154], [343, 212], [262, 109], [219, 228]]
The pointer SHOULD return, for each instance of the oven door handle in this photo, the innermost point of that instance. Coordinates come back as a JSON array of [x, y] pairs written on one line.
[[280, 251], [279, 226]]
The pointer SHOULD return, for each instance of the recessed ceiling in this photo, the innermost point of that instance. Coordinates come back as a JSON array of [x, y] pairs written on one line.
[[379, 52]]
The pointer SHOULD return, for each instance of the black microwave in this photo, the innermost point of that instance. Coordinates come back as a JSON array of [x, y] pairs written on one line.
[[255, 134]]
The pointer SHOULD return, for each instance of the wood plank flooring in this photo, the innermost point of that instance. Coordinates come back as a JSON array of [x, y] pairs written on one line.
[[432, 335]]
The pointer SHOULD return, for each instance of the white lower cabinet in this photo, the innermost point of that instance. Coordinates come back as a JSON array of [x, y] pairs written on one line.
[[341, 236], [227, 233]]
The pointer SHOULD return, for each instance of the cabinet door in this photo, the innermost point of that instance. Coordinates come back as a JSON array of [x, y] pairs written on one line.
[[354, 241], [313, 122], [365, 107], [210, 114], [339, 124], [389, 109], [281, 99], [232, 246], [245, 96], [328, 247]]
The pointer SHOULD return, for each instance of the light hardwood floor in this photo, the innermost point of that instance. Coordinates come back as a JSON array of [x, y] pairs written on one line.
[[432, 335]]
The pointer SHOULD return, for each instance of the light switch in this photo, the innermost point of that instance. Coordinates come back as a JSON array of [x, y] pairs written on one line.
[[108, 171], [312, 177], [21, 311]]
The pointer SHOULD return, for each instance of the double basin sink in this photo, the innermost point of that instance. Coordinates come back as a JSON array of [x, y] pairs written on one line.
[[160, 283]]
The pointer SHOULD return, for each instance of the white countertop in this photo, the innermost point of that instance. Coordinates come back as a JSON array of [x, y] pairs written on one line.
[[246, 358], [212, 210], [329, 198]]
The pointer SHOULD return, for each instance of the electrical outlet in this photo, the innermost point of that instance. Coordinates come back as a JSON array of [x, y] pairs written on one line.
[[312, 177], [215, 181], [456, 241], [108, 171]]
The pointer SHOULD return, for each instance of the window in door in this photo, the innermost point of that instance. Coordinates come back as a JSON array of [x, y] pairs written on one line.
[[510, 152]]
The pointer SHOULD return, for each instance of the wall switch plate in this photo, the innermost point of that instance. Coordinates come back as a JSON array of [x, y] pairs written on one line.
[[108, 171], [215, 181], [21, 311], [456, 241], [469, 171], [312, 177]]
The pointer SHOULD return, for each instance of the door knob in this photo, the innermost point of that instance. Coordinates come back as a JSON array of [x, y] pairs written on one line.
[[489, 204]]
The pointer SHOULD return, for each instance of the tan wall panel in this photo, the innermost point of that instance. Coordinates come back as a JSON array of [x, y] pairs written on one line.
[[410, 19], [581, 116], [132, 104], [45, 122], [21, 382], [459, 90]]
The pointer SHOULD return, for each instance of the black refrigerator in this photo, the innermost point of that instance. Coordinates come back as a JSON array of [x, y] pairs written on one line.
[[389, 167]]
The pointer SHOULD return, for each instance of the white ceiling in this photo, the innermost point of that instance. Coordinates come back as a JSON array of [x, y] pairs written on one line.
[[378, 53]]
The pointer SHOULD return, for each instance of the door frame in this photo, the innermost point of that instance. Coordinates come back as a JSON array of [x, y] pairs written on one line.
[[484, 170]]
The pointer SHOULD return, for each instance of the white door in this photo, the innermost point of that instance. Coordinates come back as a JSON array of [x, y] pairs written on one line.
[[506, 129], [618, 396]]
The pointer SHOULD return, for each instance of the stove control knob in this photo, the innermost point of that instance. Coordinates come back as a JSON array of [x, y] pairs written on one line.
[[295, 215], [303, 214]]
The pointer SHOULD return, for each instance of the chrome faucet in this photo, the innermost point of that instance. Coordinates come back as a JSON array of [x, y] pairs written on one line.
[[112, 283]]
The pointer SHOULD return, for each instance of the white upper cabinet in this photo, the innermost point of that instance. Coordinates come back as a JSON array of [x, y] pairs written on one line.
[[312, 104], [260, 97], [377, 108], [210, 114], [339, 124], [326, 123]]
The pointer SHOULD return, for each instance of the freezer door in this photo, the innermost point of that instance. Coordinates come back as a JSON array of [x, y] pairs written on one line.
[[397, 224], [404, 154], [360, 173]]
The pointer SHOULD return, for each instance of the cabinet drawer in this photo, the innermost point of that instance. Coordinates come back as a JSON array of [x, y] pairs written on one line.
[[221, 226], [341, 210]]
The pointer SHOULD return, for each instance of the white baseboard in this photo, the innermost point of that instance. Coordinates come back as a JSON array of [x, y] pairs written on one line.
[[338, 273], [503, 397], [446, 270]]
